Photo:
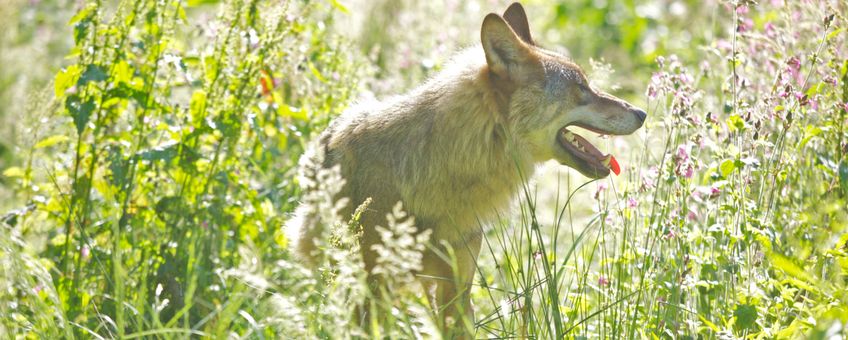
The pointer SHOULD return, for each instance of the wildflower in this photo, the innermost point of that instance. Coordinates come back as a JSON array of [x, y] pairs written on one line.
[[683, 164], [745, 25], [85, 252], [803, 99], [652, 91], [696, 195], [632, 203], [722, 44], [656, 81], [649, 178], [683, 152], [692, 216], [714, 191], [793, 67], [689, 171], [601, 187], [770, 30], [602, 281]]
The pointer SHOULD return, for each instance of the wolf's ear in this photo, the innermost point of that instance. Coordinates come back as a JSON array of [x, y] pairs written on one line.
[[504, 50], [517, 19]]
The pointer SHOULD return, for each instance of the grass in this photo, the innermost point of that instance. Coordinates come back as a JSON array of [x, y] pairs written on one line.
[[147, 191]]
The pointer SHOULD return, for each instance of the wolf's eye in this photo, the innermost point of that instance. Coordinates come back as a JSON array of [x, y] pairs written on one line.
[[585, 93]]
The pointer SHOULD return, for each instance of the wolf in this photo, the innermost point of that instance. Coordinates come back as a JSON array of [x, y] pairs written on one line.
[[457, 149]]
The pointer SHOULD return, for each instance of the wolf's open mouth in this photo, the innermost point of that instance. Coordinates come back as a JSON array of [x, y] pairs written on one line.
[[595, 162]]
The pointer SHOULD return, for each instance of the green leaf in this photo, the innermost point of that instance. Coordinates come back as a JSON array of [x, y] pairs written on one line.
[[118, 166], [736, 123], [727, 166], [210, 66], [65, 79], [80, 111], [790, 268], [50, 141], [122, 72], [192, 3], [746, 316], [164, 152], [197, 107], [835, 33], [709, 324], [809, 132], [316, 72], [84, 13], [337, 5], [14, 172], [92, 73], [291, 111]]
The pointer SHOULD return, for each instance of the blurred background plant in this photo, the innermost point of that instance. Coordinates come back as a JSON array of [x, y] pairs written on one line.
[[148, 152]]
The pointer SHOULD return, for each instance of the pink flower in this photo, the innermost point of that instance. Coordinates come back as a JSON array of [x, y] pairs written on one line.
[[601, 187], [85, 252], [714, 191], [745, 25], [649, 178], [683, 152], [689, 171], [742, 10], [652, 91], [845, 107], [770, 30], [692, 216], [632, 203], [696, 195], [537, 255], [793, 67], [603, 282]]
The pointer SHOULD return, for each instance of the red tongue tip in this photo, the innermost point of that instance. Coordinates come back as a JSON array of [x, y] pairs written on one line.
[[616, 169]]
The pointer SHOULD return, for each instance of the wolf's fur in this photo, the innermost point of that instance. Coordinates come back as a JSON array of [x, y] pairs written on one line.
[[456, 149]]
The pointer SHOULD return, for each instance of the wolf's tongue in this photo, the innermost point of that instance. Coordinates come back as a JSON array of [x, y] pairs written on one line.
[[612, 164]]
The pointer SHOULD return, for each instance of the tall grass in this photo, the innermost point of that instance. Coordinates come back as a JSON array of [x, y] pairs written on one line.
[[151, 200], [731, 221], [172, 162]]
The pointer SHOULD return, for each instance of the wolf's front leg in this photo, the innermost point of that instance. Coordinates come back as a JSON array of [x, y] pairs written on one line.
[[448, 282]]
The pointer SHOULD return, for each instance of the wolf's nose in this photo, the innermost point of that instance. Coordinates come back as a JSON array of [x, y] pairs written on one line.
[[641, 114]]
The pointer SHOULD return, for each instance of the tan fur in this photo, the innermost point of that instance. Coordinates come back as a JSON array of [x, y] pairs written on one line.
[[457, 149]]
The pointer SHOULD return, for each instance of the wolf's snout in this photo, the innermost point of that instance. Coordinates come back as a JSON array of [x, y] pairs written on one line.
[[641, 114]]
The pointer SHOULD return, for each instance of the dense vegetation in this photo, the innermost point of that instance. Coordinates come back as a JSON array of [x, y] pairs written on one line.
[[149, 161]]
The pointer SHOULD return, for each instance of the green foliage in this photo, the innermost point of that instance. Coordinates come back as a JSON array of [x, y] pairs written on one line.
[[180, 137]]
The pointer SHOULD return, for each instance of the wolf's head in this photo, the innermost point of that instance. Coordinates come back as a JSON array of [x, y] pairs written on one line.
[[544, 94]]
